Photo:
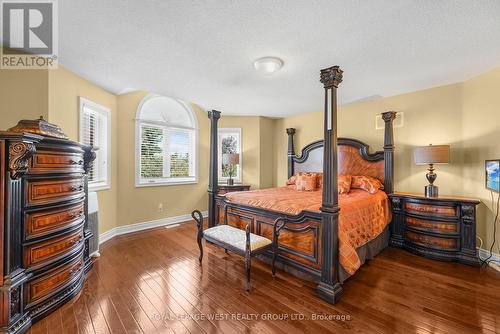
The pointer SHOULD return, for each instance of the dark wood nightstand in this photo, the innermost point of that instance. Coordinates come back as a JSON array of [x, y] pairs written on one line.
[[442, 228], [224, 188]]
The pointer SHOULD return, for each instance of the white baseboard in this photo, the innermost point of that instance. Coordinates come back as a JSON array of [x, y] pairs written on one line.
[[483, 254], [120, 230]]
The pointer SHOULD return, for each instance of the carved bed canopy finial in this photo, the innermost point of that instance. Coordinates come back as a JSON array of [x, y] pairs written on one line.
[[331, 77]]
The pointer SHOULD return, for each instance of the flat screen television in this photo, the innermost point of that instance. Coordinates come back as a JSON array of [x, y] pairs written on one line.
[[492, 168]]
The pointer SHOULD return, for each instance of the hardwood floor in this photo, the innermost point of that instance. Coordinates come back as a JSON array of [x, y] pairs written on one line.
[[151, 282]]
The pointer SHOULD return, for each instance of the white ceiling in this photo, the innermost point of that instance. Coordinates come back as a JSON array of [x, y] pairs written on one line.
[[203, 51]]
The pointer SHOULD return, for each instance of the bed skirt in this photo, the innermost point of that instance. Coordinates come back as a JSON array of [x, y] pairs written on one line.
[[368, 251]]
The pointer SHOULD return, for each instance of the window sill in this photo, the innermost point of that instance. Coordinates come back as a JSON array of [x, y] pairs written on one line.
[[224, 181], [161, 184], [99, 187]]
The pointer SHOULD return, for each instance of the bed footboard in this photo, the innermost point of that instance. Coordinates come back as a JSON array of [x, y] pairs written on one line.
[[300, 246]]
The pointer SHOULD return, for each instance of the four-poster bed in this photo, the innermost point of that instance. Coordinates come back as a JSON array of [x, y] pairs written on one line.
[[309, 243]]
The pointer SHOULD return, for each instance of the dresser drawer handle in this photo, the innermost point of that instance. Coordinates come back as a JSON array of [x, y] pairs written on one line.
[[74, 162], [75, 269], [76, 188], [74, 242], [76, 214]]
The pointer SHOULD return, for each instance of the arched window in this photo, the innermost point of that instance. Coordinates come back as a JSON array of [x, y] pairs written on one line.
[[166, 142]]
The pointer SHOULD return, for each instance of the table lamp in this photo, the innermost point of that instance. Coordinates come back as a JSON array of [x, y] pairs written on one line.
[[231, 159], [431, 155]]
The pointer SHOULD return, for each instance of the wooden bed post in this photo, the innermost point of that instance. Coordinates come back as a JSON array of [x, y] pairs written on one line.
[[388, 118], [329, 288], [291, 151], [213, 175]]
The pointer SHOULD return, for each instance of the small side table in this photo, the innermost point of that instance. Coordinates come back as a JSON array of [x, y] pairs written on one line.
[[224, 188]]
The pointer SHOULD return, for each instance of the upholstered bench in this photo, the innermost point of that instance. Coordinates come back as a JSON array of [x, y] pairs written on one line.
[[238, 241]]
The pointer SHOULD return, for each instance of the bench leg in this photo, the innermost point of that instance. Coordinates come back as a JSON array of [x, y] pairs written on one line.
[[248, 264], [200, 246], [273, 267], [197, 216], [225, 250]]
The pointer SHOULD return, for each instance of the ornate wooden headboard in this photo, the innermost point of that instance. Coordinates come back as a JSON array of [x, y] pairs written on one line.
[[353, 157]]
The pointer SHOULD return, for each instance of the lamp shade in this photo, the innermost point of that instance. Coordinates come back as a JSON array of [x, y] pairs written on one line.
[[231, 159], [432, 154]]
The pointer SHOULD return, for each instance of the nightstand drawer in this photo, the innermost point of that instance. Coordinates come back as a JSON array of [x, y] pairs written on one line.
[[439, 243], [445, 227], [442, 211]]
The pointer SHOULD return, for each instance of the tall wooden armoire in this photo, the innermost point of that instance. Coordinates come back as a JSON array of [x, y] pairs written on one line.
[[43, 222]]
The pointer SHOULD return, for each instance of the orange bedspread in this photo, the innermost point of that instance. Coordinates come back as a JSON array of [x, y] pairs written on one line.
[[363, 216]]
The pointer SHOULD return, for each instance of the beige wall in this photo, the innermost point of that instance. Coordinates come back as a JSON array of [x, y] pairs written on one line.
[[266, 152], [464, 115], [23, 95], [431, 116], [64, 91], [481, 139]]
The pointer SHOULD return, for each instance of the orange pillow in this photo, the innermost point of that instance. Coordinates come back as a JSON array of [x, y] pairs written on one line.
[[306, 182], [320, 180], [368, 183], [291, 180], [344, 183]]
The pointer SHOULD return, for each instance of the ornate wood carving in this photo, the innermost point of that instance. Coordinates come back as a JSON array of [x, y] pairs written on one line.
[[331, 77], [15, 302], [19, 155], [396, 203], [39, 127], [89, 156], [468, 212]]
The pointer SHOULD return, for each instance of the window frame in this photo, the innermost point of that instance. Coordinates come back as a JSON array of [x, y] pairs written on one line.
[[139, 181], [220, 132], [106, 113]]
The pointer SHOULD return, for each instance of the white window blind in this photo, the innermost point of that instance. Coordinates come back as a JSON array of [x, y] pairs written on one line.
[[152, 152], [166, 143], [94, 131]]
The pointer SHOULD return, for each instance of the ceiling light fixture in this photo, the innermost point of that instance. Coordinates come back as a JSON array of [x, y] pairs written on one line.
[[268, 65]]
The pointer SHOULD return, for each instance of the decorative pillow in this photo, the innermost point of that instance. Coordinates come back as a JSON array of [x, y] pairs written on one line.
[[344, 183], [291, 180], [306, 181], [368, 183], [320, 180]]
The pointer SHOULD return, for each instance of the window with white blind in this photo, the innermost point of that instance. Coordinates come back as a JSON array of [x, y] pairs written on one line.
[[95, 131], [166, 142], [229, 142]]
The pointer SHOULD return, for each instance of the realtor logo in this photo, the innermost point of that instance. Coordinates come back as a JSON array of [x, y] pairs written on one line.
[[29, 34]]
